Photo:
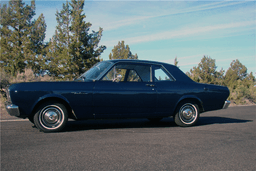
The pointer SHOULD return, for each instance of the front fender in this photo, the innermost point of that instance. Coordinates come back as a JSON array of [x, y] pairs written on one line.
[[45, 98]]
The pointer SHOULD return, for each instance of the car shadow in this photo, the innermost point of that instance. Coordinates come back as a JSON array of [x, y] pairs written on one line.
[[117, 124], [142, 123], [219, 120]]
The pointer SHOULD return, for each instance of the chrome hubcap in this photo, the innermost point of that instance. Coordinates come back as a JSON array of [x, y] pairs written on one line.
[[188, 113], [51, 117]]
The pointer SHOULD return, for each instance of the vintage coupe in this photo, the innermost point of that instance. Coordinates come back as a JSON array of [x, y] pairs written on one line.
[[116, 89]]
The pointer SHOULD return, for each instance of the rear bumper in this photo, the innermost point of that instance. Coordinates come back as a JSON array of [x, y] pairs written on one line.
[[226, 104], [13, 110]]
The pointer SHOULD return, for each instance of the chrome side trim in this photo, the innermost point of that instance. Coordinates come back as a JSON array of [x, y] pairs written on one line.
[[226, 104], [13, 110]]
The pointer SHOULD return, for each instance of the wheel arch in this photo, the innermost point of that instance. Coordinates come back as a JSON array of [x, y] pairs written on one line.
[[190, 99], [71, 113]]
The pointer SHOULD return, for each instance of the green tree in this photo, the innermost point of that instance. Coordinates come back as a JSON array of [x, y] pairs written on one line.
[[240, 83], [176, 61], [122, 51], [73, 50], [21, 36], [243, 92], [206, 72], [38, 29], [237, 71], [58, 50]]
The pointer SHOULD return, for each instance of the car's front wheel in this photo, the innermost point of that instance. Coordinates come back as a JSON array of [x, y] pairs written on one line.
[[187, 114], [51, 117]]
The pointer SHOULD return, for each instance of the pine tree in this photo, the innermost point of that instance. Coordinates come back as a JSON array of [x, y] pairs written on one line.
[[37, 60], [240, 83], [237, 71], [18, 43], [206, 72], [122, 51], [58, 50], [73, 50], [176, 61]]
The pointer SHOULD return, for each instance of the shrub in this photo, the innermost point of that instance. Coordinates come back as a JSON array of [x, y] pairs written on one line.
[[26, 76], [4, 79]]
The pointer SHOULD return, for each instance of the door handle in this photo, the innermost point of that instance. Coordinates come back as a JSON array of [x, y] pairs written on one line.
[[150, 85]]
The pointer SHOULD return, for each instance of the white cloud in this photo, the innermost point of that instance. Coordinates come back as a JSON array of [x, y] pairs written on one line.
[[108, 22], [213, 5], [121, 23], [181, 33]]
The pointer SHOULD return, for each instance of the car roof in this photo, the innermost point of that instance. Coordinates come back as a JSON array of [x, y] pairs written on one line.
[[174, 70], [138, 61]]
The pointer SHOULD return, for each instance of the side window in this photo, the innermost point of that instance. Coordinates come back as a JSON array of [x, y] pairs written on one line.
[[144, 72], [114, 73], [133, 77], [161, 75], [129, 73]]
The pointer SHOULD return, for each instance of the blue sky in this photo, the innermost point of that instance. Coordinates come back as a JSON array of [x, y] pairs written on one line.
[[163, 30]]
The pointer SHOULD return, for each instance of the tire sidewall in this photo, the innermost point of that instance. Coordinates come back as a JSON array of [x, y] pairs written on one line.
[[40, 125], [178, 119]]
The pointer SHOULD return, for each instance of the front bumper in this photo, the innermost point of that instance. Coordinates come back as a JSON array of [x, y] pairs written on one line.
[[226, 104], [13, 110]]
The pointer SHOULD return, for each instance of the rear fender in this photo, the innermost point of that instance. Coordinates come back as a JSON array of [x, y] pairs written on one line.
[[190, 98]]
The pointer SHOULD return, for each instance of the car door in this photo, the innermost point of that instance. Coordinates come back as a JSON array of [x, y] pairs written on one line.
[[125, 91], [168, 90]]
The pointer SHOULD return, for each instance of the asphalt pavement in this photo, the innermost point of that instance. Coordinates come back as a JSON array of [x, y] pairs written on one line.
[[222, 140]]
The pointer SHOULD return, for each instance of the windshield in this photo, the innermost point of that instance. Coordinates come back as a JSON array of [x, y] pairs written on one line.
[[95, 71]]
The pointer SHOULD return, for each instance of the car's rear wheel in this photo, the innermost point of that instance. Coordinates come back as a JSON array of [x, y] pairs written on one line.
[[187, 114], [51, 117]]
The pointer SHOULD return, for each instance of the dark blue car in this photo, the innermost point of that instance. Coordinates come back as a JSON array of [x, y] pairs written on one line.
[[116, 89]]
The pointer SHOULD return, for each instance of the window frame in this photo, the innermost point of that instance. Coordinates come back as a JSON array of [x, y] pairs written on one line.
[[155, 66], [128, 63]]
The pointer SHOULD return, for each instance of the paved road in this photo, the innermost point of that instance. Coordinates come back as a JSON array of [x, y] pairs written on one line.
[[223, 140]]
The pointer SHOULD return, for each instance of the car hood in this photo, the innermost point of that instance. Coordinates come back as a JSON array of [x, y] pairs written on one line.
[[50, 86]]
